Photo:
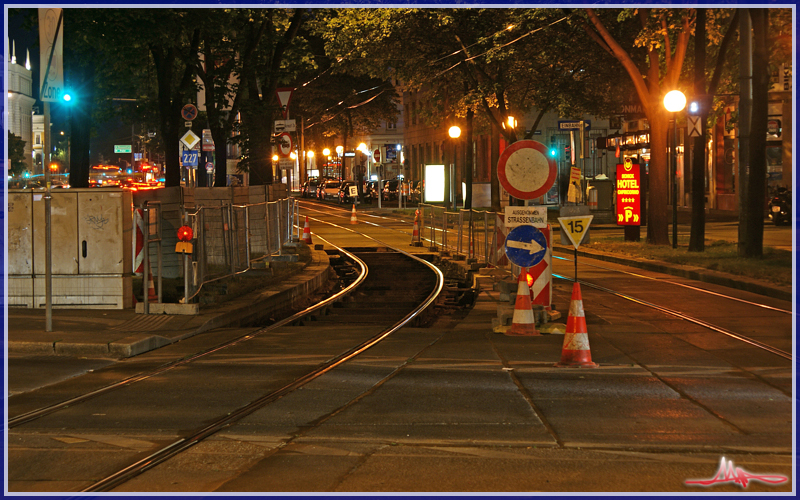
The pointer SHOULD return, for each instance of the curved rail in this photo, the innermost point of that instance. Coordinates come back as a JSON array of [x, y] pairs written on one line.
[[183, 444], [698, 289], [680, 315], [38, 413]]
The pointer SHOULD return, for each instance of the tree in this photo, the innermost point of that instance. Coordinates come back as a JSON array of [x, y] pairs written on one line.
[[481, 63], [16, 155], [665, 34], [265, 44]]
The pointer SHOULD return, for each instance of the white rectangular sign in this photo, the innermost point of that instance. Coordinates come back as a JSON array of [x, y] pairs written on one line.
[[535, 216], [51, 50], [285, 126]]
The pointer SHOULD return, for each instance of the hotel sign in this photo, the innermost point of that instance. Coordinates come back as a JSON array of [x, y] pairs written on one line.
[[629, 194]]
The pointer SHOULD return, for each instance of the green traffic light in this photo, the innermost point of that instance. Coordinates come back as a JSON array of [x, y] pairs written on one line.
[[552, 152], [67, 97]]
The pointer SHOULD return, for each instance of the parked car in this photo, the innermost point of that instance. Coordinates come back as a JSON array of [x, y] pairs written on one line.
[[309, 187], [371, 192], [344, 193], [390, 189], [328, 190]]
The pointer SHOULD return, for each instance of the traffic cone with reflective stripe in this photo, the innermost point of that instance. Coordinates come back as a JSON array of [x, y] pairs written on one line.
[[415, 241], [152, 296], [523, 322], [575, 351], [307, 233], [353, 219]]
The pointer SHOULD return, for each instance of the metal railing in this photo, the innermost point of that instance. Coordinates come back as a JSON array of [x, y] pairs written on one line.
[[468, 234], [231, 239]]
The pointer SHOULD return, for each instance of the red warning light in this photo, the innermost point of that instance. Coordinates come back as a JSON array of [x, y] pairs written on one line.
[[185, 233]]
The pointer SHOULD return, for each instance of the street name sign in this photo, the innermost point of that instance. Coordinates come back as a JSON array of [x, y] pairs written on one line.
[[526, 246], [525, 170], [125, 148], [576, 227], [574, 124], [535, 216]]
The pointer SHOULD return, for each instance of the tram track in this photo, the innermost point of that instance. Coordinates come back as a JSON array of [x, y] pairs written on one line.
[[361, 284]]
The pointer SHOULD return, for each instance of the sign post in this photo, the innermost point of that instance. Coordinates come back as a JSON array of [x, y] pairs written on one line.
[[576, 228]]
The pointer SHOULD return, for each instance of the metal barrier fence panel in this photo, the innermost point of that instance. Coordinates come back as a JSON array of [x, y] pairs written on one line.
[[231, 238], [471, 233]]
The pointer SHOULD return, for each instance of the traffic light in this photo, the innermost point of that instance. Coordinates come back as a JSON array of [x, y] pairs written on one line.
[[699, 105]]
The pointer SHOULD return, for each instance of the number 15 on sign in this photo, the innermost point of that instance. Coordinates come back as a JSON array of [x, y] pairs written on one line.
[[576, 228]]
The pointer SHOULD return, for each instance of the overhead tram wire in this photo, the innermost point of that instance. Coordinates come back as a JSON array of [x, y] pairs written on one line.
[[494, 48]]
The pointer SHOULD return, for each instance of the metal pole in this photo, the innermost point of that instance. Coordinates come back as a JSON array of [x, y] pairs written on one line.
[[674, 181], [247, 233], [146, 258], [160, 254], [576, 265], [48, 258], [185, 277]]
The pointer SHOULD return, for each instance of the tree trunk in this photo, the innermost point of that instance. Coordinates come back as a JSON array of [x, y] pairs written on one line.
[[257, 122], [468, 158], [698, 234], [220, 157], [756, 193], [659, 178], [80, 119], [493, 159]]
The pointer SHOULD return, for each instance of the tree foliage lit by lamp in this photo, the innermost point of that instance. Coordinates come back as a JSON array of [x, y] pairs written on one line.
[[674, 102]]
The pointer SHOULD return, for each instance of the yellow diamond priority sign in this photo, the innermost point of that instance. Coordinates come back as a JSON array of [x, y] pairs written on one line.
[[190, 139], [576, 227]]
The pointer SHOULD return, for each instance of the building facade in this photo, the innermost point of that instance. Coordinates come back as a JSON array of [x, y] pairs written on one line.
[[20, 103]]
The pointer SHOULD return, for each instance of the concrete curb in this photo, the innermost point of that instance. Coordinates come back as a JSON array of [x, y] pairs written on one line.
[[235, 313], [689, 272]]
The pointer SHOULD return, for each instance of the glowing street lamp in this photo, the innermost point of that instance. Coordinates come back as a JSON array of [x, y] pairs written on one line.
[[674, 102]]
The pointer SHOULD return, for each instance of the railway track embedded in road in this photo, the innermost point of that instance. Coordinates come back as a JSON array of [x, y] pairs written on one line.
[[371, 299]]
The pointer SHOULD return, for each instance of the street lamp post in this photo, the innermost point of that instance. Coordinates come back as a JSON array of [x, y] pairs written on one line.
[[674, 102], [455, 133], [339, 152]]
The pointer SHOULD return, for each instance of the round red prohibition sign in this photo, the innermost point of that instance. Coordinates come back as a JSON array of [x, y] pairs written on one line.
[[525, 170], [285, 144]]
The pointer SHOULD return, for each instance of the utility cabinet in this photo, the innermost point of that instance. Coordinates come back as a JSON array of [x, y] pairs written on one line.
[[91, 256]]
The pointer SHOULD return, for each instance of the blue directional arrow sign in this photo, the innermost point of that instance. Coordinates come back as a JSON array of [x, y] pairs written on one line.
[[525, 246]]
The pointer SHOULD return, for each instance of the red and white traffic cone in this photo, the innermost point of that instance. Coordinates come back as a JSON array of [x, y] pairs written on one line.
[[523, 322], [353, 219], [415, 241], [575, 352], [307, 233], [151, 288]]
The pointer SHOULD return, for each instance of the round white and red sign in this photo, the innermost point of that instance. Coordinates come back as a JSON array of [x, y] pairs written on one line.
[[377, 156], [285, 144], [525, 170]]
